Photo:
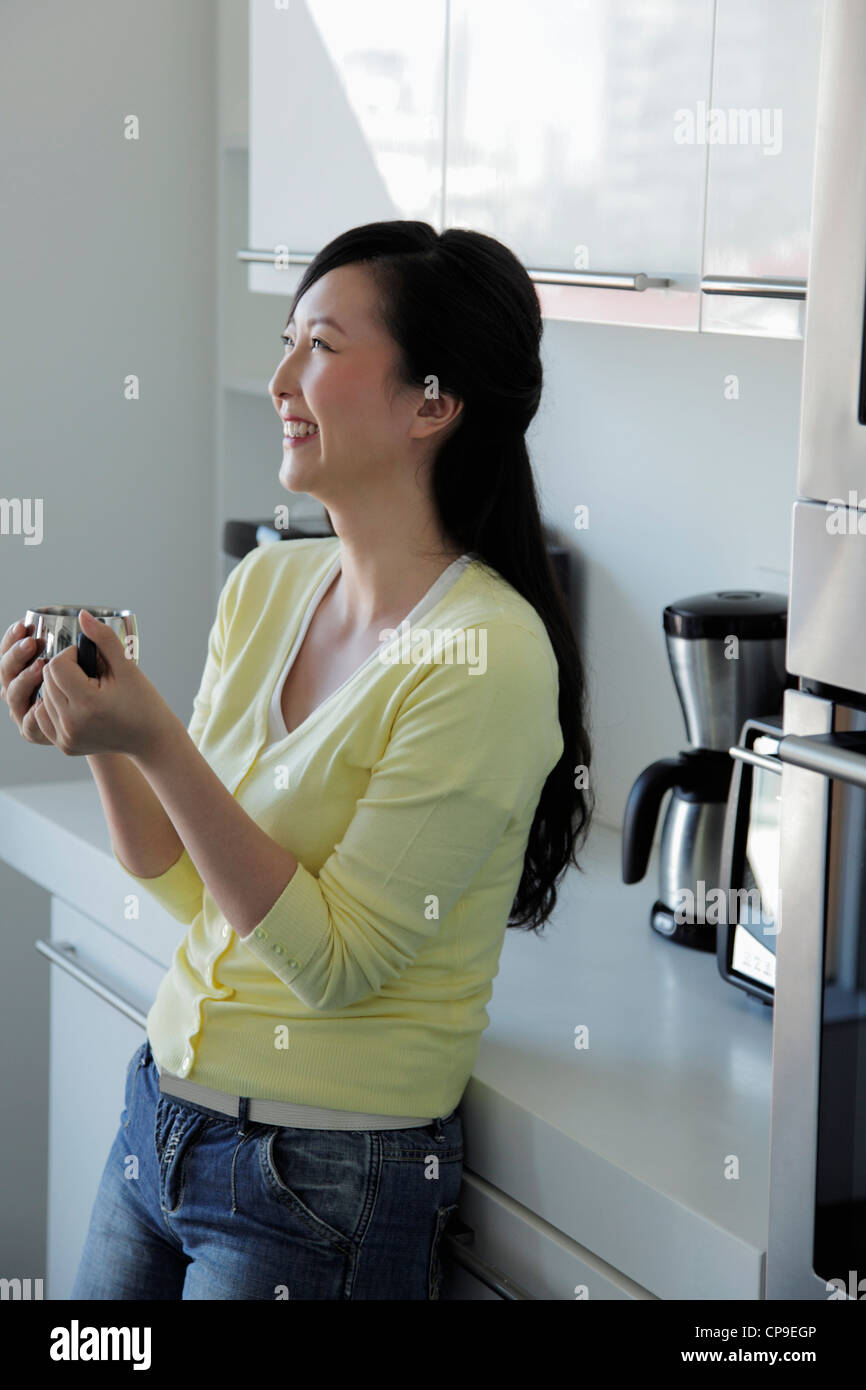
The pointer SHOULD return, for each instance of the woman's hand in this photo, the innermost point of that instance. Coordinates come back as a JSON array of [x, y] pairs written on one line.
[[120, 711], [19, 677]]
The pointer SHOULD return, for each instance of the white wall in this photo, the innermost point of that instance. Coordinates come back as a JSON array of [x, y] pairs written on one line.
[[107, 268], [687, 492]]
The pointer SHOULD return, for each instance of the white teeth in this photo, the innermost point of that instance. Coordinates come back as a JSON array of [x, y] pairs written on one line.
[[296, 429]]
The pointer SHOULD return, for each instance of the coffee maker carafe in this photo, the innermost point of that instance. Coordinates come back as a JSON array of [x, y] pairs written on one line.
[[727, 656]]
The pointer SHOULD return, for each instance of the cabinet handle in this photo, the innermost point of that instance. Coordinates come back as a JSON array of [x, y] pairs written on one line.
[[589, 279], [268, 257], [762, 289], [458, 1237], [599, 279], [60, 955]]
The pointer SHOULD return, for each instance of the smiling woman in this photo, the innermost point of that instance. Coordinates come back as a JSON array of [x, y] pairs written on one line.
[[354, 825]]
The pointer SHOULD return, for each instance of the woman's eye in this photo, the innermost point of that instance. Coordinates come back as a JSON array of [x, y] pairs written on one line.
[[285, 340]]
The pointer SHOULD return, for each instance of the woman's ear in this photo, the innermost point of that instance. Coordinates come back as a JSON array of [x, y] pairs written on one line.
[[438, 412]]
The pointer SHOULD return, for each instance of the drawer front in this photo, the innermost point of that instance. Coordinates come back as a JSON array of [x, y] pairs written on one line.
[[98, 952], [93, 1039], [509, 1240]]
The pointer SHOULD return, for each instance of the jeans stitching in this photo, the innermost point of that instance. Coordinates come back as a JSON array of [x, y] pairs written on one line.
[[237, 1148], [186, 1128], [368, 1215], [286, 1197]]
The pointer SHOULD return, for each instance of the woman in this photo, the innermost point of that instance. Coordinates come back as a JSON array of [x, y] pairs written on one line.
[[377, 779]]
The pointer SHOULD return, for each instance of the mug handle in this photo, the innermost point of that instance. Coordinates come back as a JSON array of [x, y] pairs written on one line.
[[88, 657]]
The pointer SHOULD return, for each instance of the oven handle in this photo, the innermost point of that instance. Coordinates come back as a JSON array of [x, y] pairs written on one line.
[[840, 755], [748, 755]]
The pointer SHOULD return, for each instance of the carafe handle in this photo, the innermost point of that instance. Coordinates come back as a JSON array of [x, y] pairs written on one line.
[[642, 809]]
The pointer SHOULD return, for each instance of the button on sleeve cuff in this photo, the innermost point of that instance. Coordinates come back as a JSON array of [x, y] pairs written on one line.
[[293, 931]]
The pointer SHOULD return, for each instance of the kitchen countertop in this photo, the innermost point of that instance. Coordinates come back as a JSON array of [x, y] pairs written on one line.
[[625, 1145], [649, 1146]]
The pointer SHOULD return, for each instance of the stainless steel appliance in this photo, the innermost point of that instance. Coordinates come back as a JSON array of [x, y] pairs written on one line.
[[727, 656], [817, 1222], [749, 862]]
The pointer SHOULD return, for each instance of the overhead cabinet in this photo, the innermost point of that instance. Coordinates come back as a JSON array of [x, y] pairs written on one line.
[[759, 189], [346, 124], [648, 164], [561, 144]]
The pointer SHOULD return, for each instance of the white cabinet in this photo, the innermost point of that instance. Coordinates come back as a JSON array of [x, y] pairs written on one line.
[[92, 1041], [346, 123], [645, 162], [551, 129], [561, 123], [514, 1254], [761, 143]]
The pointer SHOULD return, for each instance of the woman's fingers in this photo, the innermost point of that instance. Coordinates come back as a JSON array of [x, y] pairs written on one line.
[[20, 675], [19, 698], [11, 635], [53, 681], [24, 676], [40, 717], [16, 650]]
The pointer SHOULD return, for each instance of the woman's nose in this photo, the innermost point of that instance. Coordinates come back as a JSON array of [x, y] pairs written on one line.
[[280, 383]]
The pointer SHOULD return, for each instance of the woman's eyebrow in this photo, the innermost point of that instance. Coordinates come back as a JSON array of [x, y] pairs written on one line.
[[320, 318]]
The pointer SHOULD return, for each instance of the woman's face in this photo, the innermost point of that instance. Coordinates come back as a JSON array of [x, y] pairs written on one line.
[[336, 375]]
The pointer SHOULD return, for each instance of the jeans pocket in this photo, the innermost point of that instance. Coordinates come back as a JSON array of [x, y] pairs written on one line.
[[434, 1264], [324, 1178]]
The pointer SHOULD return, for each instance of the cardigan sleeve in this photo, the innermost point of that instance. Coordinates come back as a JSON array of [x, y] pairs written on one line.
[[180, 888], [467, 753]]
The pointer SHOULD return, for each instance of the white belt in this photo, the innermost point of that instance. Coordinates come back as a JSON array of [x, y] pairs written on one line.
[[281, 1112]]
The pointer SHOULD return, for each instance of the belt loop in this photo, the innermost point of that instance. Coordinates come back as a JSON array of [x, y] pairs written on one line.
[[243, 1110], [438, 1130]]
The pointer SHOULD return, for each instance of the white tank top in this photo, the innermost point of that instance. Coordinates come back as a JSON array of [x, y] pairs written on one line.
[[277, 729]]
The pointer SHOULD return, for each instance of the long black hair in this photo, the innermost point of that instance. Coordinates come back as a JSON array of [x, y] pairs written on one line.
[[459, 304]]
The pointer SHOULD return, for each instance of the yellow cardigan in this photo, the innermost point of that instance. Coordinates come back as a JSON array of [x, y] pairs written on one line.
[[407, 797]]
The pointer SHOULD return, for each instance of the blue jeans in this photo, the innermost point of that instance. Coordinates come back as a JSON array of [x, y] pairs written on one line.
[[194, 1204]]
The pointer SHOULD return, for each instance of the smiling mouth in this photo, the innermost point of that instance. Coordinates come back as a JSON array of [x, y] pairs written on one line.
[[291, 441], [298, 430]]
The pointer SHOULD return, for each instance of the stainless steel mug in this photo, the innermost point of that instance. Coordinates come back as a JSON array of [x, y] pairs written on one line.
[[59, 625]]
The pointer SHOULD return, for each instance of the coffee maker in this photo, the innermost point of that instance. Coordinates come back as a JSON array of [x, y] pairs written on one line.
[[727, 656]]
